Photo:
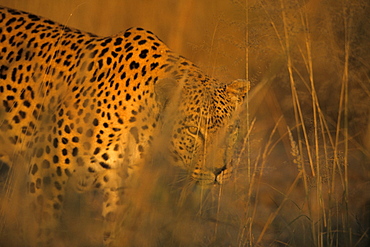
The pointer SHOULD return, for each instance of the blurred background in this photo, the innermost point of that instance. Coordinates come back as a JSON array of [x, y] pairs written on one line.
[[303, 170]]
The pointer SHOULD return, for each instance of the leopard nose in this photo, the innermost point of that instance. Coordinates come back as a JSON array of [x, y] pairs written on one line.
[[218, 171]]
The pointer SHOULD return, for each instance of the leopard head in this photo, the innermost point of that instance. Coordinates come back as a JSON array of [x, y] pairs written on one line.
[[202, 125]]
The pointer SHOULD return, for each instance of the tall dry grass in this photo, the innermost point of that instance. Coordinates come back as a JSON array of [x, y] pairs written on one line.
[[303, 170]]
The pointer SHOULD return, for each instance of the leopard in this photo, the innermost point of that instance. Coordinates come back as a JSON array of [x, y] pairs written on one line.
[[75, 106]]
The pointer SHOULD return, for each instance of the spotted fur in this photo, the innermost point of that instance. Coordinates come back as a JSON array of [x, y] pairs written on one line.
[[76, 105]]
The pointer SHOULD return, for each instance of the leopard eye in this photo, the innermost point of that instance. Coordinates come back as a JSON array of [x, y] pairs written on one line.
[[193, 130]]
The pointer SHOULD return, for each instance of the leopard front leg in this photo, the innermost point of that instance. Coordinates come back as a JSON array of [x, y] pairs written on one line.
[[46, 189], [110, 213], [113, 206]]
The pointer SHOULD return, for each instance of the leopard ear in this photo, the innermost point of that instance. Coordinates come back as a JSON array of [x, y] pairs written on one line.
[[165, 89], [237, 90]]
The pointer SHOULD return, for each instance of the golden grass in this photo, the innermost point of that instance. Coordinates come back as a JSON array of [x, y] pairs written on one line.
[[303, 170]]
